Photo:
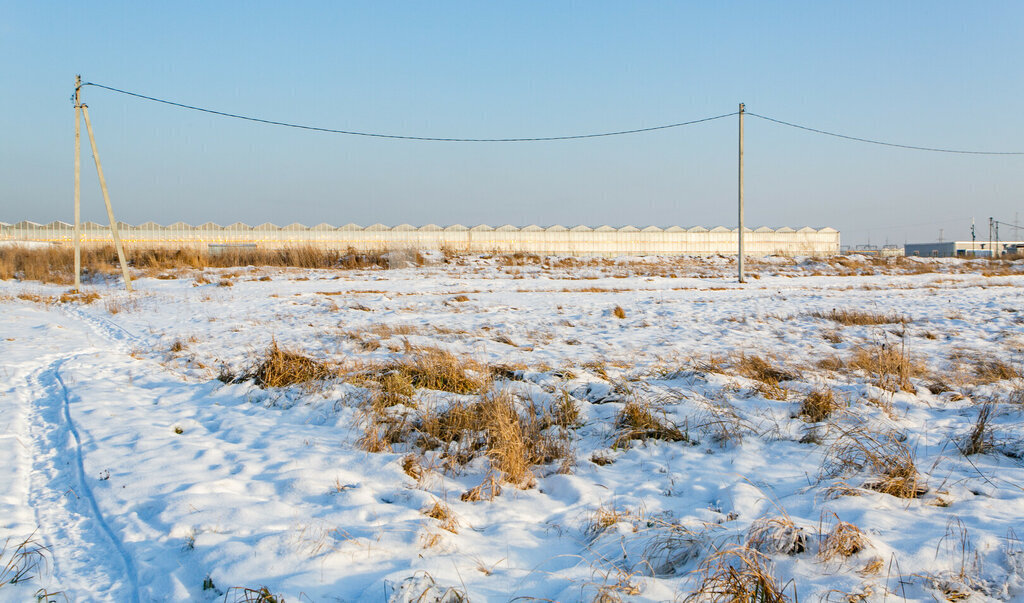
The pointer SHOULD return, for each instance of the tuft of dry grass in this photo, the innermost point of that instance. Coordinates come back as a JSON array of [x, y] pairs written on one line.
[[21, 559], [738, 573], [281, 368], [885, 457], [890, 365], [444, 514], [819, 405], [437, 369], [487, 489], [980, 440], [493, 427], [860, 317], [991, 371], [618, 312], [640, 420], [843, 540], [245, 594], [772, 535], [760, 369]]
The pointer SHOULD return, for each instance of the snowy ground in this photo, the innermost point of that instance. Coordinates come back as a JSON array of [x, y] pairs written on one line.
[[147, 478]]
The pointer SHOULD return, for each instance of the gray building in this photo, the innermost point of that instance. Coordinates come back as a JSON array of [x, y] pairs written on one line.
[[961, 249]]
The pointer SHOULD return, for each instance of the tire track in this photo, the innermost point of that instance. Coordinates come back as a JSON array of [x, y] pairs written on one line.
[[88, 554]]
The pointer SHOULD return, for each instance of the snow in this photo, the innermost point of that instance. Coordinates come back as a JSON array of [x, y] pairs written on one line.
[[147, 478]]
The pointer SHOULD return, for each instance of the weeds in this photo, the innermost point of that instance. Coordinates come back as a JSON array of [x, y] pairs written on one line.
[[244, 594], [843, 540], [773, 535], [980, 440], [890, 364], [884, 456], [639, 420], [444, 514], [860, 317], [512, 441], [819, 405], [20, 559], [437, 369], [738, 574], [281, 368], [991, 371]]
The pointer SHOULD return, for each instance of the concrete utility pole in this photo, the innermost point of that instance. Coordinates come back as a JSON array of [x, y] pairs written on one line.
[[739, 254], [78, 185], [106, 200]]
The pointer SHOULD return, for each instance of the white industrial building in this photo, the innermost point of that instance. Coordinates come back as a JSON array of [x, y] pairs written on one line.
[[551, 240], [960, 249]]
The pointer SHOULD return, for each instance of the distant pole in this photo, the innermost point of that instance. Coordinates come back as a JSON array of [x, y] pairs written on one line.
[[78, 184], [974, 247], [739, 254], [106, 200], [991, 251]]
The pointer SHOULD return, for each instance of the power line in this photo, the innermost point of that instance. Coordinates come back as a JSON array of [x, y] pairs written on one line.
[[883, 143], [403, 137], [543, 138]]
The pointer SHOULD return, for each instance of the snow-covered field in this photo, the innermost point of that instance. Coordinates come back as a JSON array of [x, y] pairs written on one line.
[[147, 478]]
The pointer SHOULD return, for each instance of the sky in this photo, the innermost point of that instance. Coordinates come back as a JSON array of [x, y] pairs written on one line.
[[943, 74]]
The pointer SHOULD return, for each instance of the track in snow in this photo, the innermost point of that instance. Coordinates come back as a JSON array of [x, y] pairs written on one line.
[[66, 510]]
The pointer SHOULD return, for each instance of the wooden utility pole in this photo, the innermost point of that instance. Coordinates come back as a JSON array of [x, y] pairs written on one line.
[[78, 185], [106, 200], [739, 255]]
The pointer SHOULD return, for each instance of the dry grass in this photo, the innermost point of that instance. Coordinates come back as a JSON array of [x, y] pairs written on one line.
[[245, 594], [843, 540], [980, 440], [738, 574], [860, 317], [819, 405], [641, 420], [513, 441], [890, 365], [605, 517], [992, 371], [21, 559], [888, 461], [281, 368], [760, 369], [776, 535], [444, 514], [436, 369], [55, 264], [618, 312], [486, 490]]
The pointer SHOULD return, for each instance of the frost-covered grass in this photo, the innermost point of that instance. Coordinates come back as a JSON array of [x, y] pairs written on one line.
[[493, 428]]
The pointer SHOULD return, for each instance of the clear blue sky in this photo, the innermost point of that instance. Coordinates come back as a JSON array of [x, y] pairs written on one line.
[[928, 73]]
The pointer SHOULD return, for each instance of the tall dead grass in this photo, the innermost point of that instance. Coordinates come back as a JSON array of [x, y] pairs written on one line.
[[436, 369], [739, 574], [513, 440], [889, 462], [282, 368], [890, 365], [850, 317], [55, 263], [639, 419]]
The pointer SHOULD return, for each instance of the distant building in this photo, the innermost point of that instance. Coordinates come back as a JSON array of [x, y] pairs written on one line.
[[887, 251], [963, 249]]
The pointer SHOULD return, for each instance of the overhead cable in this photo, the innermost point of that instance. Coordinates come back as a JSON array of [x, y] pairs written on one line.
[[403, 137], [883, 143]]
